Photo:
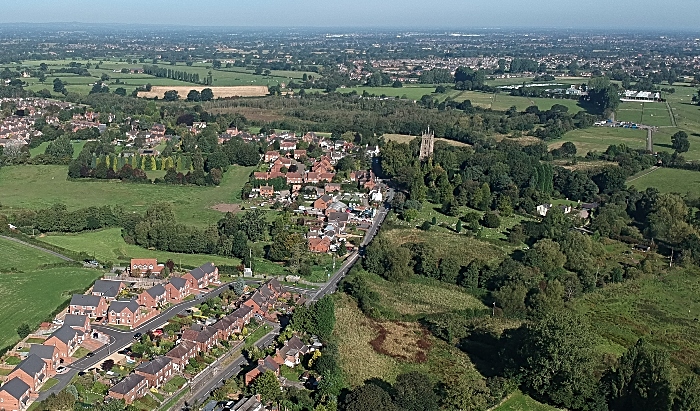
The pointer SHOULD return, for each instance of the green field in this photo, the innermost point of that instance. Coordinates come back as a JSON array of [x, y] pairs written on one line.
[[108, 245], [235, 76], [77, 148], [668, 180], [41, 186], [651, 114], [599, 138], [521, 402], [662, 310], [30, 293]]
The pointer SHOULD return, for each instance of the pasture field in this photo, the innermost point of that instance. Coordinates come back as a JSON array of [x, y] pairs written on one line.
[[33, 187], [504, 101], [77, 148], [29, 292], [668, 180], [108, 245], [599, 138], [219, 92], [662, 310]]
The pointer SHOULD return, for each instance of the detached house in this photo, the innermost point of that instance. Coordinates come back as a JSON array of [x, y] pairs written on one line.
[[266, 364], [132, 387], [145, 266], [323, 202], [267, 191], [176, 290], [319, 245], [124, 313], [33, 371], [66, 340], [157, 371], [153, 297], [14, 395], [291, 353], [181, 354], [202, 276], [77, 322], [107, 289], [91, 305]]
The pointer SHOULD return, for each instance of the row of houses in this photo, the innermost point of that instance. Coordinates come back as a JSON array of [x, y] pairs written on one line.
[[194, 340]]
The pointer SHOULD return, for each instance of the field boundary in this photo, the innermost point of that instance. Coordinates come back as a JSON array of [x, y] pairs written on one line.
[[654, 168], [55, 254]]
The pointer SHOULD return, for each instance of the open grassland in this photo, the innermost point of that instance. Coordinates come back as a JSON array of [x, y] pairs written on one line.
[[411, 92], [651, 114], [219, 92], [668, 180], [358, 336], [599, 138], [108, 245], [41, 148], [421, 296], [41, 186], [504, 101], [521, 402], [405, 138], [30, 293], [662, 310]]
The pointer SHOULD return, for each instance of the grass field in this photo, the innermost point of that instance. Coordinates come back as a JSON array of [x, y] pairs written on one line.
[[108, 245], [521, 402], [668, 180], [41, 186], [651, 114], [662, 310], [77, 147], [599, 138], [404, 138], [28, 292]]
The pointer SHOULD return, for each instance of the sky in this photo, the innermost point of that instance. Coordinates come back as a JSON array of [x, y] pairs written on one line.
[[405, 14]]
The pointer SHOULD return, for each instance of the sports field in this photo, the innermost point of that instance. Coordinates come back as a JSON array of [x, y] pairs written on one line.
[[29, 292], [108, 245], [42, 186]]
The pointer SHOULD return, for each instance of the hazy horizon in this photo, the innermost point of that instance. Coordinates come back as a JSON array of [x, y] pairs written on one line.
[[642, 15]]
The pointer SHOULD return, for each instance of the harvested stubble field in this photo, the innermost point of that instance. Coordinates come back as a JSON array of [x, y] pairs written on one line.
[[219, 92]]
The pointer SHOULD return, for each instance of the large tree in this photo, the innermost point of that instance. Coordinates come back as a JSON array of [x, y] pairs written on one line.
[[369, 397], [268, 386], [415, 392], [680, 142]]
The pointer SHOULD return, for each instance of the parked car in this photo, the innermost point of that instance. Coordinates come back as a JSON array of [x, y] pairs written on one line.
[[137, 336], [90, 354], [61, 369]]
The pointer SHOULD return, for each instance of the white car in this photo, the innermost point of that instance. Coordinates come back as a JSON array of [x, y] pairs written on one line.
[[61, 369]]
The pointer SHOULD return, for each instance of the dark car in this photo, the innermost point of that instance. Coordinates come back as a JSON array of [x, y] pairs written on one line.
[[90, 354], [137, 336]]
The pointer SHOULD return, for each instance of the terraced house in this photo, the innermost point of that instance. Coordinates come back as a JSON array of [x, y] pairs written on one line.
[[91, 305], [157, 371]]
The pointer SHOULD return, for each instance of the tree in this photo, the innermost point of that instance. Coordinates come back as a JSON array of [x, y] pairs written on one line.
[[60, 148], [23, 330], [324, 317], [207, 94], [120, 91], [268, 386], [58, 85], [546, 256], [687, 396], [680, 142], [491, 220], [369, 397], [239, 286], [555, 360], [415, 392], [641, 380], [63, 401], [194, 95], [171, 95]]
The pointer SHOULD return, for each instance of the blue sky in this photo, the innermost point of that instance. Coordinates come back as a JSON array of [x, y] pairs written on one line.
[[624, 14]]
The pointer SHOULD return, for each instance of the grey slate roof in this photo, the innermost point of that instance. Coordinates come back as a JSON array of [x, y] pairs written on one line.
[[203, 270], [119, 306], [178, 282], [241, 312], [86, 300], [16, 388], [107, 288], [42, 351], [127, 384], [32, 365], [65, 333], [156, 290], [152, 367], [74, 320]]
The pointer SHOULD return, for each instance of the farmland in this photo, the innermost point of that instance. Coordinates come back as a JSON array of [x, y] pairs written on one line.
[[219, 92], [668, 180], [30, 292], [41, 186], [108, 245], [599, 138]]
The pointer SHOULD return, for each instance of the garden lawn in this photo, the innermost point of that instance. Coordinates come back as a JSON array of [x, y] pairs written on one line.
[[662, 310], [42, 186], [29, 293], [108, 245], [668, 180], [174, 384]]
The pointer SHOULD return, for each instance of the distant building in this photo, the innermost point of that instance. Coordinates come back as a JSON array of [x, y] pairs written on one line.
[[427, 145]]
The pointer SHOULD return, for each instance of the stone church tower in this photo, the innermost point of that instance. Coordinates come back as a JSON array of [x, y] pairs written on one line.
[[426, 145]]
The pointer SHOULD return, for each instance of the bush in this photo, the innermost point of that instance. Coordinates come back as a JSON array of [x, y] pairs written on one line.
[[425, 226], [491, 220]]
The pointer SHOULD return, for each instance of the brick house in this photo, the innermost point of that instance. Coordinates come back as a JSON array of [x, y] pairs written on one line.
[[225, 327], [331, 187], [288, 145], [124, 313], [181, 354], [49, 354], [153, 297], [78, 322], [294, 178], [157, 371], [271, 156], [14, 395], [266, 364], [33, 371], [133, 387], [291, 353], [299, 154], [145, 265], [66, 339], [328, 177], [202, 276], [267, 191], [107, 289], [323, 202], [176, 290], [242, 316], [319, 245], [311, 178], [205, 337], [261, 175], [91, 305]]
